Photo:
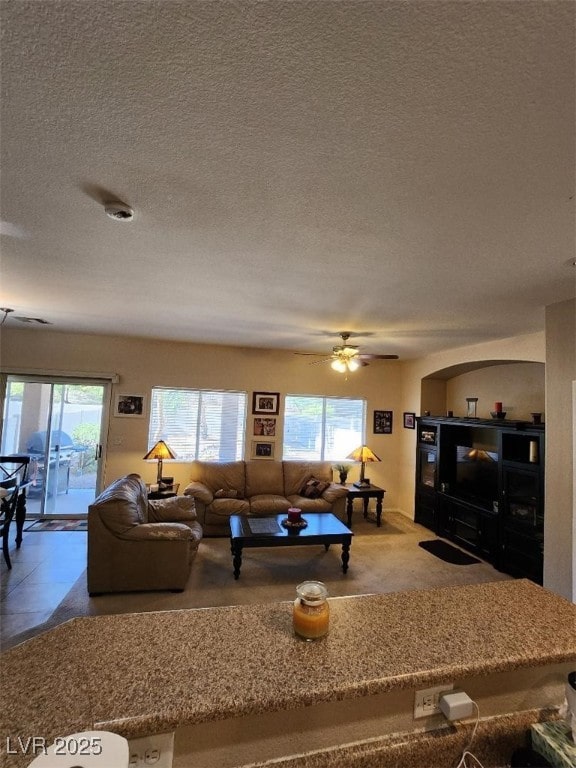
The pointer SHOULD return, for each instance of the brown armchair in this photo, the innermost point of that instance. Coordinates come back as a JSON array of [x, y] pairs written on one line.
[[138, 545]]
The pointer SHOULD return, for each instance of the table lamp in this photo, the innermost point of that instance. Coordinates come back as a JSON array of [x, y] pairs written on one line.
[[159, 452], [363, 454]]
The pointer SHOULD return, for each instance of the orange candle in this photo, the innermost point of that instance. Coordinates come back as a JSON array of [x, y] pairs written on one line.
[[311, 612]]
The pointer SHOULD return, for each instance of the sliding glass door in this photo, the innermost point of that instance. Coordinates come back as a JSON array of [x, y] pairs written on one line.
[[59, 424]]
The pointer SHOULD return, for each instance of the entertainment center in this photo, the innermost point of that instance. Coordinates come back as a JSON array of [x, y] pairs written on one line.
[[480, 484]]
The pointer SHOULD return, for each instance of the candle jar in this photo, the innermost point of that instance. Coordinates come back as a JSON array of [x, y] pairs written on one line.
[[311, 612]]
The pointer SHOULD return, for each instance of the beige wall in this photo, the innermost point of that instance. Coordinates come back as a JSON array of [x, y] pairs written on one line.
[[560, 520], [518, 386], [143, 364]]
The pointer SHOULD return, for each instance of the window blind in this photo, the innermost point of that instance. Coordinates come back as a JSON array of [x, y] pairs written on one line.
[[322, 428], [208, 425]]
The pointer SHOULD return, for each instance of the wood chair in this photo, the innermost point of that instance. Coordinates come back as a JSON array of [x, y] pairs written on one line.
[[16, 467], [7, 510]]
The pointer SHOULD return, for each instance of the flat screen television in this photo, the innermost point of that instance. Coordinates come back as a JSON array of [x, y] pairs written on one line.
[[476, 476]]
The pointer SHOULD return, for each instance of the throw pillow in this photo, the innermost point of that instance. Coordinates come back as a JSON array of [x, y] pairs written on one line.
[[227, 493], [314, 488]]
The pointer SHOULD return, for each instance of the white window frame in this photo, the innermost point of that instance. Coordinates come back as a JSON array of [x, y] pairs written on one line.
[[325, 399]]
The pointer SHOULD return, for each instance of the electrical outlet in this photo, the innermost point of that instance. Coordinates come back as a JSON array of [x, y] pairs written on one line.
[[154, 751], [427, 701]]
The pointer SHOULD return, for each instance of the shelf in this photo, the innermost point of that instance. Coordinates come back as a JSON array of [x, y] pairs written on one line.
[[518, 424], [521, 449]]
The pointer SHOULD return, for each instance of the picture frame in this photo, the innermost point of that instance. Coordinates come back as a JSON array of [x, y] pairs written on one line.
[[383, 422], [262, 449], [264, 427], [266, 402], [409, 420], [130, 406]]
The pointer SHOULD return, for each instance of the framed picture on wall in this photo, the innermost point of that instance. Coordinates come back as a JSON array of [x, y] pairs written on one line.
[[130, 406], [262, 450], [266, 402], [409, 420], [265, 427], [382, 422]]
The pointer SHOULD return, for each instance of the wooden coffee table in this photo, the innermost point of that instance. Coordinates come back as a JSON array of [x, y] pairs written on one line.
[[323, 528]]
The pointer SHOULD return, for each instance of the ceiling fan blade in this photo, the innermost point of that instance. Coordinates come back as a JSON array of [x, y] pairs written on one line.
[[313, 354], [376, 357]]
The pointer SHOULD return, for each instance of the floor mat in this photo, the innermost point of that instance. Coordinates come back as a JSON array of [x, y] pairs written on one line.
[[447, 552], [58, 525]]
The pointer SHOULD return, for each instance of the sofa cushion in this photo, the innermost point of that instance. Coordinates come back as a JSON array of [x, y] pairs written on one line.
[[268, 504], [310, 505], [314, 488], [175, 509], [220, 475], [264, 477], [297, 473], [227, 507], [228, 493]]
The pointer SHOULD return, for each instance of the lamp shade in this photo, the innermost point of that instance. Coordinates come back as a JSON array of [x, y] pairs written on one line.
[[363, 454], [160, 451]]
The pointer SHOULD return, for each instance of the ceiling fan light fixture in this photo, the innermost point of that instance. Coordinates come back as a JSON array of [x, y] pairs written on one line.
[[338, 365], [353, 365]]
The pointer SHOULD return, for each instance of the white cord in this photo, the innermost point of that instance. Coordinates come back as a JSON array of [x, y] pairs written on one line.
[[469, 754], [466, 753]]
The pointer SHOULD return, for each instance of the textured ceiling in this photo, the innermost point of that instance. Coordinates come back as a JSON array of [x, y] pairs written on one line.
[[401, 170]]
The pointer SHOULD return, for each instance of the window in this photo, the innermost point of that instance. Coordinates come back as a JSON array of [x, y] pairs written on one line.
[[199, 424], [322, 428]]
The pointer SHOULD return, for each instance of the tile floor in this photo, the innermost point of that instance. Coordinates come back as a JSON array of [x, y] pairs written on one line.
[[43, 571]]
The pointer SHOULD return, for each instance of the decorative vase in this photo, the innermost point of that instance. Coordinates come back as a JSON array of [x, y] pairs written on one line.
[[343, 477]]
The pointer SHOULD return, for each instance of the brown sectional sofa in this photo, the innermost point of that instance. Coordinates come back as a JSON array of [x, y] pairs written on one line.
[[259, 488], [138, 545]]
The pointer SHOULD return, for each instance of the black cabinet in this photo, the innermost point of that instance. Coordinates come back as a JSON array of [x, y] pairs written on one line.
[[480, 484], [426, 476]]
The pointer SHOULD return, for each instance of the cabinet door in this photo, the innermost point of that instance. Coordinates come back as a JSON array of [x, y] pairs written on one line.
[[488, 538], [465, 527], [425, 510], [522, 501], [427, 466], [522, 555]]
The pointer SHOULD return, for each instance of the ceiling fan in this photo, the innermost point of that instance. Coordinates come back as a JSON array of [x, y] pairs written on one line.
[[347, 357]]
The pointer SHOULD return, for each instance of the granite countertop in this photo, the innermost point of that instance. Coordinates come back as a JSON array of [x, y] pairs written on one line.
[[138, 674]]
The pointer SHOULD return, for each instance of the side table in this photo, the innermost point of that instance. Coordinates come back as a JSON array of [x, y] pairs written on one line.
[[367, 493], [165, 493]]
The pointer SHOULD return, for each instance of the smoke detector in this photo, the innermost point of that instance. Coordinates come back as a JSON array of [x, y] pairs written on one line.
[[119, 211]]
